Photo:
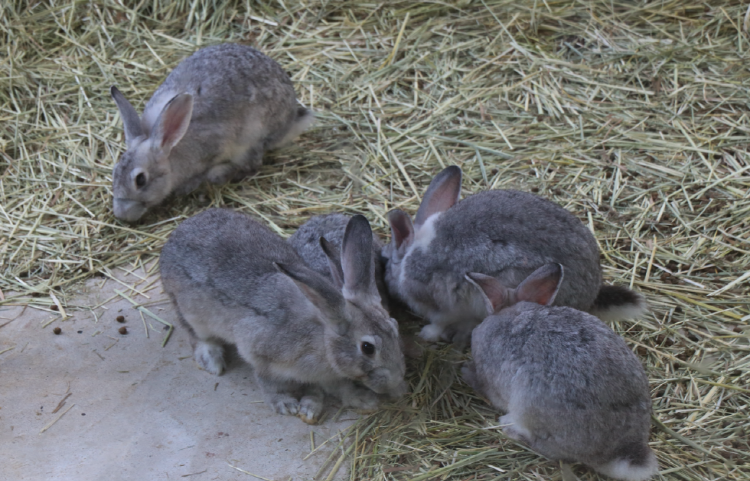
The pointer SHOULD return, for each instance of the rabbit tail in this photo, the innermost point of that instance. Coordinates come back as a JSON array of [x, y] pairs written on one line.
[[637, 465], [616, 302]]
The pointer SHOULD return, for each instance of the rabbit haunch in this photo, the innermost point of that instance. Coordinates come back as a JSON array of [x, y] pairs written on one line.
[[501, 233], [212, 119], [232, 280], [571, 388]]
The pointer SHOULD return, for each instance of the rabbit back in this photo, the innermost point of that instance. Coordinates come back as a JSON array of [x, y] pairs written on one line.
[[572, 388], [218, 267], [505, 234], [241, 97]]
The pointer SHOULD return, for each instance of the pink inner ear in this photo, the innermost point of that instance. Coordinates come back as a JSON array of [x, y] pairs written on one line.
[[493, 289], [401, 227], [441, 195], [541, 286], [175, 120]]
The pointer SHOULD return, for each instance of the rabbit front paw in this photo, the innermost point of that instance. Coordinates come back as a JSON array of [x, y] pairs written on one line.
[[310, 409], [210, 357], [431, 333], [284, 404]]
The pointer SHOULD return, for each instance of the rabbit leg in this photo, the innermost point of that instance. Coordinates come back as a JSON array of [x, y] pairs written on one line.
[[281, 395], [210, 356], [514, 429], [469, 374], [461, 336], [222, 173], [311, 405], [356, 397]]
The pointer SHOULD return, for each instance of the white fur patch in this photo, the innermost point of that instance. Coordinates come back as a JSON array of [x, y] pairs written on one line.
[[623, 469], [423, 236], [431, 332]]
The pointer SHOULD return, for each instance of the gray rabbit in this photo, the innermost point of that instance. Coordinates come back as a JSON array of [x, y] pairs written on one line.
[[232, 280], [502, 233], [212, 119], [331, 227], [571, 387]]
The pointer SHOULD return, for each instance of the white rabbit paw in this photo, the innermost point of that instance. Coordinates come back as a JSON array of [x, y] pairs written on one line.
[[310, 409], [210, 357], [284, 404], [431, 333]]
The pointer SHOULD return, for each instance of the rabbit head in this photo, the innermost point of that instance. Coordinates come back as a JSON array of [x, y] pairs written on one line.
[[361, 340], [142, 177], [442, 193], [540, 287]]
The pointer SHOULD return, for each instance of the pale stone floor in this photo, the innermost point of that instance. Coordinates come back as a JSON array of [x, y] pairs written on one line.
[[132, 409]]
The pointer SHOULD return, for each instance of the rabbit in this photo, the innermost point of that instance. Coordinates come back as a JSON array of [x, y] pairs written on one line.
[[331, 227], [233, 281], [502, 233], [212, 119], [571, 388]]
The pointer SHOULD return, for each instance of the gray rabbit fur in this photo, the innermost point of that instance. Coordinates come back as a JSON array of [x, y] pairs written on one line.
[[232, 280], [571, 387], [212, 119], [331, 227], [502, 233]]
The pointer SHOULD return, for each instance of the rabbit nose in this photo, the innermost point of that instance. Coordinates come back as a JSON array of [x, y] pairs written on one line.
[[128, 210]]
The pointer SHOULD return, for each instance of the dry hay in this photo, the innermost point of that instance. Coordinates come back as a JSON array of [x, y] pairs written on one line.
[[630, 114]]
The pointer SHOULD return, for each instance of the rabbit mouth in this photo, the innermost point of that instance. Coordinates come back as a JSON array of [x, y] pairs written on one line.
[[128, 210]]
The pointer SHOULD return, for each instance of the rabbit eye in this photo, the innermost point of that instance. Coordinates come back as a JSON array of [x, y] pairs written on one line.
[[140, 180], [368, 348]]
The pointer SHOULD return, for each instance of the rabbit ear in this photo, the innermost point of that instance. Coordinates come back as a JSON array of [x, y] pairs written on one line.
[[442, 193], [541, 286], [334, 262], [356, 260], [130, 119], [320, 293], [402, 230], [496, 296], [172, 123]]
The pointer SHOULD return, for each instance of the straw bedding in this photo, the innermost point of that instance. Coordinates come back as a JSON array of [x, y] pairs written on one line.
[[632, 115]]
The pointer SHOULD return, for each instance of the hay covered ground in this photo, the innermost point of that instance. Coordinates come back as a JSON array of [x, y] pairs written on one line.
[[632, 115]]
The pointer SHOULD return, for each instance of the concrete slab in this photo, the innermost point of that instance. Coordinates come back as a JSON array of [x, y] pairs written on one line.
[[132, 409]]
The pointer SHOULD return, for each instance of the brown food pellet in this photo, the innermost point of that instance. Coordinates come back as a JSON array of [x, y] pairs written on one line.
[[57, 330], [120, 318], [123, 330], [54, 307]]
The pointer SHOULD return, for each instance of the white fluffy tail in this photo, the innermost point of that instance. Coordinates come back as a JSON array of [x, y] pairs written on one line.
[[614, 303], [627, 470]]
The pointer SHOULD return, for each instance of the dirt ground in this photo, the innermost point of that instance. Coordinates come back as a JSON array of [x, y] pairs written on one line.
[[91, 403]]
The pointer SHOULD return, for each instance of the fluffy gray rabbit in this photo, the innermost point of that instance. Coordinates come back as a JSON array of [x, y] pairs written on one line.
[[331, 227], [502, 233], [212, 119], [232, 280], [571, 387]]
